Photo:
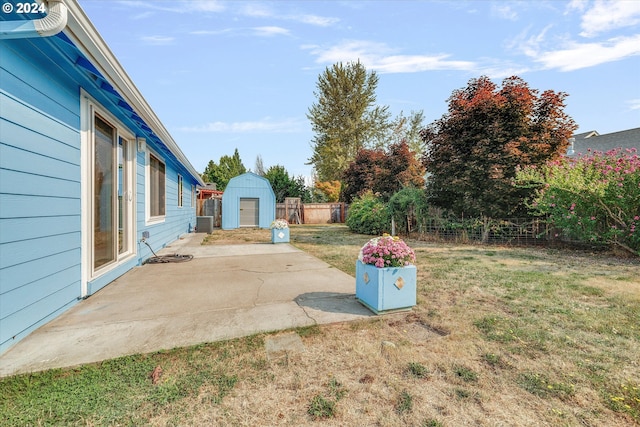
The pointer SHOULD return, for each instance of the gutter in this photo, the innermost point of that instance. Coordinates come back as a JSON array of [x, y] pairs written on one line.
[[50, 25]]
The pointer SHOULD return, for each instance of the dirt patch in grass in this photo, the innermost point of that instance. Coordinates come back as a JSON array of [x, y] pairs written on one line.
[[237, 236], [500, 336]]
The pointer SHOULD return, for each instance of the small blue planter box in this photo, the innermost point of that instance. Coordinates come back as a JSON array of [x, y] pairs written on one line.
[[386, 289], [280, 235]]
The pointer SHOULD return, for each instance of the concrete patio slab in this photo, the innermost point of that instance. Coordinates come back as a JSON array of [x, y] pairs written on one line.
[[226, 291]]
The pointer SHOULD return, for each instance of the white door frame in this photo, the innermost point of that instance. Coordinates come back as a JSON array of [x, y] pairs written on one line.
[[89, 109]]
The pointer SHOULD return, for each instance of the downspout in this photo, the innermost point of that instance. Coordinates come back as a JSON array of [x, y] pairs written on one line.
[[50, 25]]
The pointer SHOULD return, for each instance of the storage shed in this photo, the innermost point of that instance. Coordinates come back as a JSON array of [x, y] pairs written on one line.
[[248, 201]]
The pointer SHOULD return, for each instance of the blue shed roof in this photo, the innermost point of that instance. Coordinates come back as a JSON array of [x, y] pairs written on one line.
[[249, 179]]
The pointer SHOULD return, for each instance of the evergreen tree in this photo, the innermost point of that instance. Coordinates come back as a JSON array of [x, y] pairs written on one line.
[[344, 118]]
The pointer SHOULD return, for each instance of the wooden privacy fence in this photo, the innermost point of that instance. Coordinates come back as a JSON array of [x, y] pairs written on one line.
[[210, 207], [292, 210], [312, 213]]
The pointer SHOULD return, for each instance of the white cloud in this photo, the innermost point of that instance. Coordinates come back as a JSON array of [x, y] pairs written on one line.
[[177, 6], [204, 5], [563, 53], [610, 15], [158, 40], [267, 31], [634, 104], [258, 10], [212, 32], [583, 55], [500, 70], [265, 125], [504, 11], [578, 5], [320, 21], [529, 45], [270, 31], [381, 58]]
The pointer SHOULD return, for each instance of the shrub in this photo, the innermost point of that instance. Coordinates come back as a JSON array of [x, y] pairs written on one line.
[[408, 207], [593, 198], [368, 215]]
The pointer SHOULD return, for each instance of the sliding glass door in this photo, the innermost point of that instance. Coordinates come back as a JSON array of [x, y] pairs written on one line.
[[112, 195]]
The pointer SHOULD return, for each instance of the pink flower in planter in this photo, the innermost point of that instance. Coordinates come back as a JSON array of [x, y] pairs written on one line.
[[387, 251]]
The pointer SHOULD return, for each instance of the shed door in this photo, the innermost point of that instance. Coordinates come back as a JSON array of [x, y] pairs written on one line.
[[249, 212]]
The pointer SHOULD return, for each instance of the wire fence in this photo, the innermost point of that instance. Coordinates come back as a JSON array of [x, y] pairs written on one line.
[[509, 231]]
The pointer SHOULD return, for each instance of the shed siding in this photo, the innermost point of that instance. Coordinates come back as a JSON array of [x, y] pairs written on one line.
[[39, 194]]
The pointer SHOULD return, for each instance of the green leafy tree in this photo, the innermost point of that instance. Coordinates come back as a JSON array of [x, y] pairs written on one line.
[[259, 167], [382, 172], [474, 150], [408, 208], [330, 189], [595, 198], [345, 118], [227, 168], [405, 129], [286, 186]]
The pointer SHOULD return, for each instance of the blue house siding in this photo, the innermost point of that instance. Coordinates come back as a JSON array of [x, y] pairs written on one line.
[[178, 220], [248, 185], [40, 230], [43, 271]]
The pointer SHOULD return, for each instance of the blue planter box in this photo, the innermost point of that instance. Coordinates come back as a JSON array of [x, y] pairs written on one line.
[[280, 235], [386, 289]]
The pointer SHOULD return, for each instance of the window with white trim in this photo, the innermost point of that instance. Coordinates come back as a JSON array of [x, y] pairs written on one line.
[[180, 191], [156, 187]]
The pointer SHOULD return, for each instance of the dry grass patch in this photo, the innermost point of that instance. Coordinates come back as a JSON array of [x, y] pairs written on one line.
[[238, 236], [500, 336], [519, 336]]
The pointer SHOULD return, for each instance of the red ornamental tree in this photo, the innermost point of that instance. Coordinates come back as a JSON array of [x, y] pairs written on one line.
[[474, 150], [382, 172]]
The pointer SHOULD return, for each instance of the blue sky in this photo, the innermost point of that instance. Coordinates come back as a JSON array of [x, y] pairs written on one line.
[[242, 74]]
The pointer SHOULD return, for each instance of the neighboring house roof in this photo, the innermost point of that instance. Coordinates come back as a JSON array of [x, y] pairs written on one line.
[[593, 141], [207, 193], [585, 135], [84, 49]]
